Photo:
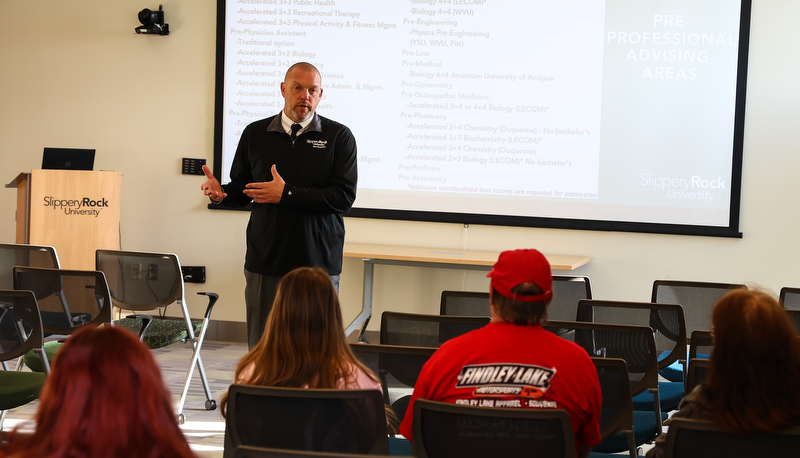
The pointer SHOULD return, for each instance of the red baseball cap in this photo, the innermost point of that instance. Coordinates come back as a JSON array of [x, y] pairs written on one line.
[[520, 266]]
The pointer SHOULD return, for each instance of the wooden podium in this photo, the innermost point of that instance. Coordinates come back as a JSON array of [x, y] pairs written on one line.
[[75, 211]]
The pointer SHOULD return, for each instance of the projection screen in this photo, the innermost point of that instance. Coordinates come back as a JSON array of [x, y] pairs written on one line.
[[620, 115]]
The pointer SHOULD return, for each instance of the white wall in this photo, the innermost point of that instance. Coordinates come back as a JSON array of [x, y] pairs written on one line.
[[74, 74]]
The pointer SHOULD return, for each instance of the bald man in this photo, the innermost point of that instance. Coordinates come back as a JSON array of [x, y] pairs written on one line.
[[299, 171]]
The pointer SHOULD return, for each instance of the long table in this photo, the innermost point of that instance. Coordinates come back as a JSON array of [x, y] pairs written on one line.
[[398, 255]]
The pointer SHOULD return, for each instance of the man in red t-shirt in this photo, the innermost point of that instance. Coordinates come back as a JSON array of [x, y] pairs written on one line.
[[513, 362]]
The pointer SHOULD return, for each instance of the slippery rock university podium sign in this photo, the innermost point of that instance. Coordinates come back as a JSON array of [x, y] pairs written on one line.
[[75, 211]]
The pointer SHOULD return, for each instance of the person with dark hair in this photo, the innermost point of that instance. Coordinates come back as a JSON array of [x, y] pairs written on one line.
[[103, 398], [304, 345], [299, 171], [753, 369], [534, 367]]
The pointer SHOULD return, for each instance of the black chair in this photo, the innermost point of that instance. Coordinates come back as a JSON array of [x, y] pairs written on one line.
[[794, 317], [450, 430], [244, 451], [12, 254], [142, 282], [68, 300], [398, 368], [464, 303], [422, 330], [696, 374], [342, 421], [20, 332], [616, 418], [700, 345], [634, 344], [697, 299], [789, 298], [669, 330], [568, 290], [689, 438]]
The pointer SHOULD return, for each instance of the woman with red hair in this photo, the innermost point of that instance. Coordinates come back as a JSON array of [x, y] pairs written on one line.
[[754, 367], [103, 398]]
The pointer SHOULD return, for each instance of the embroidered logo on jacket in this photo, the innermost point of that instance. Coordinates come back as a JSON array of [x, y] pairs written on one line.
[[322, 144]]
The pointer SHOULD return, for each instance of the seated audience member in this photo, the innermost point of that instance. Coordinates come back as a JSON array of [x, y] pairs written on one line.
[[304, 345], [514, 340], [103, 398], [753, 369]]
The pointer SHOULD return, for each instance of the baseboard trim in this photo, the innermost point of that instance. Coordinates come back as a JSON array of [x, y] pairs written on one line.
[[227, 331]]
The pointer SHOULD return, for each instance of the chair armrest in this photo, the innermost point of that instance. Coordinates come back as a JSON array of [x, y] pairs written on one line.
[[212, 299]]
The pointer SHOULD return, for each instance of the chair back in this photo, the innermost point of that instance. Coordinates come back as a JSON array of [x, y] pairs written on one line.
[[68, 299], [666, 321], [634, 344], [20, 332], [789, 298], [568, 290], [352, 421], [617, 411], [422, 330], [398, 368], [697, 299], [794, 318], [394, 363], [20, 324], [141, 281], [244, 451], [696, 374], [700, 345], [446, 430], [12, 254], [688, 438], [464, 303]]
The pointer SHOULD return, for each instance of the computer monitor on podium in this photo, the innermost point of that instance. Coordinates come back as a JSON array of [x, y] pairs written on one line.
[[68, 159]]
